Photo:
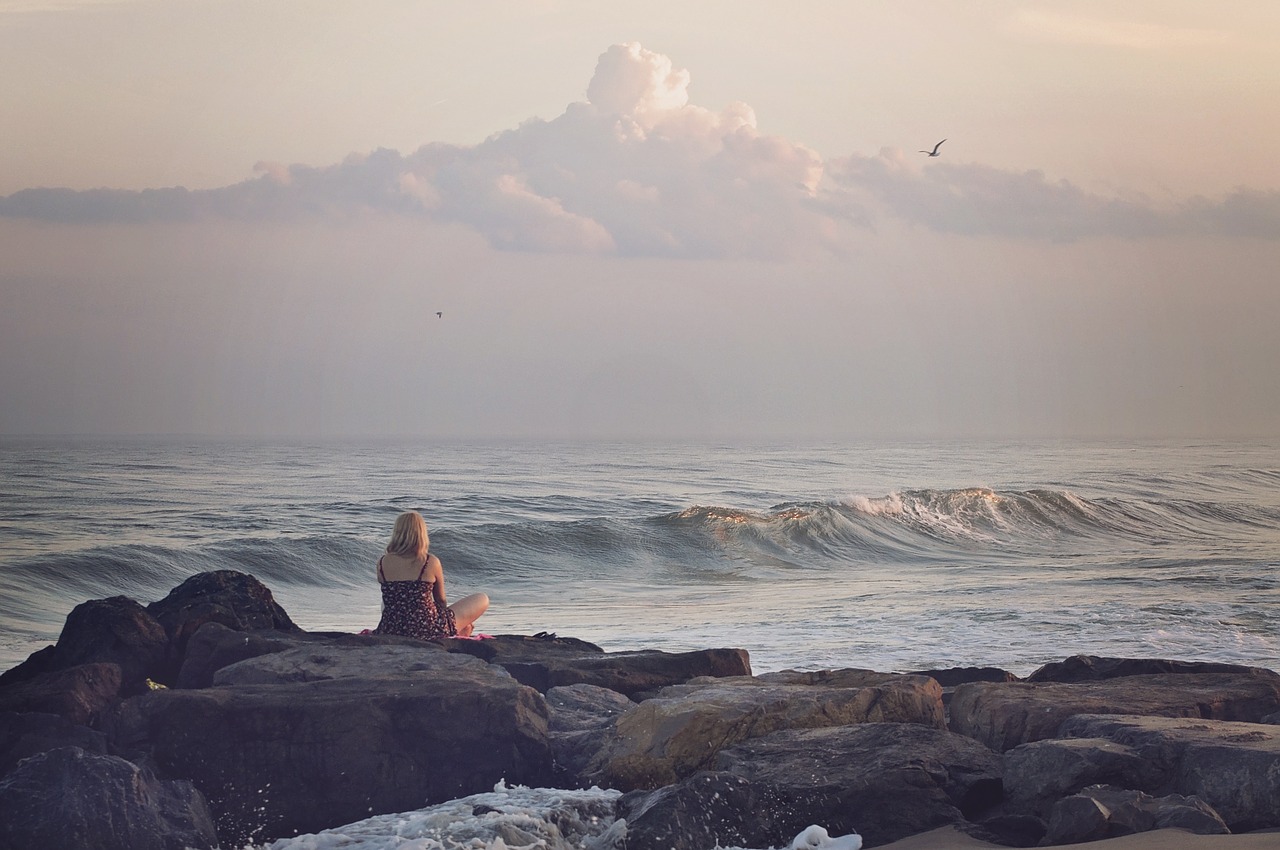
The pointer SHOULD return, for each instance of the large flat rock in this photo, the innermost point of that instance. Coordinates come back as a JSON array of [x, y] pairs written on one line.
[[1004, 715], [671, 736]]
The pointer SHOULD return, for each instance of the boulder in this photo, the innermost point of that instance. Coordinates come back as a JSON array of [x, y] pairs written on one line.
[[77, 693], [215, 646], [1093, 668], [883, 780], [709, 809], [23, 735], [116, 630], [1232, 767], [236, 600], [580, 714], [546, 664], [38, 662], [952, 676], [1038, 774], [1101, 811], [679, 732], [319, 663], [70, 798], [1004, 715], [307, 749]]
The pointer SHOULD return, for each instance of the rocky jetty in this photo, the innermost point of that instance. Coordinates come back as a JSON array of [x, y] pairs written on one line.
[[209, 719]]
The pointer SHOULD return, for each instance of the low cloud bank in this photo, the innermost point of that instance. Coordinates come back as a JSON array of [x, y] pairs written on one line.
[[638, 170]]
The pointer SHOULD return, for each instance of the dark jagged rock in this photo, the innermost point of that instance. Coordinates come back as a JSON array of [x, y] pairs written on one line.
[[1038, 774], [307, 755], [77, 693], [680, 731], [709, 809], [234, 599], [1233, 767], [37, 663], [884, 780], [579, 716], [1101, 811], [952, 676], [1004, 715], [1094, 668], [116, 630], [214, 646], [23, 735], [70, 798]]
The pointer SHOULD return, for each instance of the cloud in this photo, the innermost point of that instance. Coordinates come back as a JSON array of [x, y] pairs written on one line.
[[639, 170], [979, 200]]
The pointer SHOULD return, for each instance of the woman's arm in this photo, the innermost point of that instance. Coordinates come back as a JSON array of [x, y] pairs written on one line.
[[435, 571]]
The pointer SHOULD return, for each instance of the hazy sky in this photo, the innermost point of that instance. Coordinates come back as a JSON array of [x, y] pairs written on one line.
[[703, 219]]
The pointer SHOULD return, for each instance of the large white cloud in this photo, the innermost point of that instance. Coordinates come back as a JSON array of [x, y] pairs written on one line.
[[637, 169]]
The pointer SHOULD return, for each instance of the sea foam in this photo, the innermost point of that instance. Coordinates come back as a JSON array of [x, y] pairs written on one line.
[[511, 818]]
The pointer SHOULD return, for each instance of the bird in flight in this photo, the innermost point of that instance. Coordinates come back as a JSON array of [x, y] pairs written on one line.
[[934, 152], [439, 314]]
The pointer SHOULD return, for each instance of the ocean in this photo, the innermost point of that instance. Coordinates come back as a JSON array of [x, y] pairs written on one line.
[[881, 555]]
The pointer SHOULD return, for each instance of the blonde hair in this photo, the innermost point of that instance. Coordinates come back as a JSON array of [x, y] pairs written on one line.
[[409, 537]]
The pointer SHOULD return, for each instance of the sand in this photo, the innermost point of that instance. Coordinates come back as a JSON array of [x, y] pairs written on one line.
[[949, 838]]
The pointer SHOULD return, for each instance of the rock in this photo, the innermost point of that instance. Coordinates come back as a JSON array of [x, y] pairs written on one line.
[[1038, 774], [1076, 820], [78, 693], [1232, 767], [70, 798], [1093, 668], [301, 756], [849, 677], [1004, 715], [499, 648], [215, 646], [23, 735], [579, 716], [884, 780], [236, 600], [541, 665], [952, 676], [709, 809], [38, 662], [321, 663], [1101, 811], [678, 733], [116, 630], [578, 708]]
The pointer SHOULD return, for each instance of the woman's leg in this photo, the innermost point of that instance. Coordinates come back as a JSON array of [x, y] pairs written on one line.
[[467, 610]]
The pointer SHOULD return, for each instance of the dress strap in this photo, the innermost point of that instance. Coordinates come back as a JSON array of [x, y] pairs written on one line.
[[422, 572], [381, 578]]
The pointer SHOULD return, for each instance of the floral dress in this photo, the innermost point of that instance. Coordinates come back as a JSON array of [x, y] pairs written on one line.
[[409, 608]]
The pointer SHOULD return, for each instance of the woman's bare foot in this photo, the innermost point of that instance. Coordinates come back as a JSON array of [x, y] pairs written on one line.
[[466, 630]]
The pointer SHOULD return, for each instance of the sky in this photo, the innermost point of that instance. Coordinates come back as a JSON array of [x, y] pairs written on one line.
[[564, 219]]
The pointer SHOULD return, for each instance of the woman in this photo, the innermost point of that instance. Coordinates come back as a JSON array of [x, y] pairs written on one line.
[[413, 600]]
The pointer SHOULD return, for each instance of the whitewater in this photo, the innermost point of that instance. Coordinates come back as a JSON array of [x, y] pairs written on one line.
[[893, 556]]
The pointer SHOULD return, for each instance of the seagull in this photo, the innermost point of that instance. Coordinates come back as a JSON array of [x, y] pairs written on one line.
[[934, 152], [439, 314]]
